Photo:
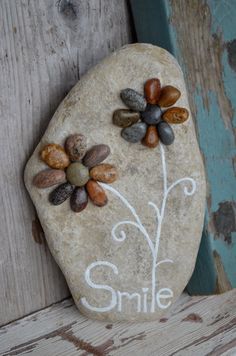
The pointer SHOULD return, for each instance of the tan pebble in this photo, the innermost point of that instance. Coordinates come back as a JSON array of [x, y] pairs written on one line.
[[96, 193], [105, 173], [55, 156], [48, 178]]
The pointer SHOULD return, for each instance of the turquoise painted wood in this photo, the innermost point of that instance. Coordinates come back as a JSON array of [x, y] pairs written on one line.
[[202, 35]]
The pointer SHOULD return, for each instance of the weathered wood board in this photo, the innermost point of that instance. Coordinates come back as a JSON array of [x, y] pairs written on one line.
[[45, 47], [202, 35], [195, 326]]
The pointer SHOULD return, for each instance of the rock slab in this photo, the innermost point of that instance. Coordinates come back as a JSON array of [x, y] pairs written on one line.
[[131, 259]]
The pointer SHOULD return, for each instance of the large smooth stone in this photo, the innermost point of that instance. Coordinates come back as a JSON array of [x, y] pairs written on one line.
[[117, 262]]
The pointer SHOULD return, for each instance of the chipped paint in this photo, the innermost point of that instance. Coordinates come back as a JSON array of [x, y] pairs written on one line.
[[193, 317], [231, 49], [224, 220], [222, 283]]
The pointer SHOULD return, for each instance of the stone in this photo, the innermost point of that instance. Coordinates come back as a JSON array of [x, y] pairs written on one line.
[[151, 115], [152, 90], [49, 177], [96, 155], [79, 199], [133, 99], [76, 146], [134, 133], [165, 133], [151, 138], [125, 117], [106, 173], [96, 193], [61, 193], [77, 174], [55, 156], [175, 115], [169, 96], [107, 253]]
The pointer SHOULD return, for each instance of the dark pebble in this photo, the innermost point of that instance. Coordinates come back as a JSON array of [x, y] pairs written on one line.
[[165, 133], [79, 200], [152, 114], [133, 99], [134, 133], [125, 117], [61, 193], [96, 155]]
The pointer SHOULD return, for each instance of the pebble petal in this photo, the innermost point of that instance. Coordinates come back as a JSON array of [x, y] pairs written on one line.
[[79, 199], [134, 133], [151, 138], [76, 146], [133, 99], [55, 156], [96, 193], [61, 193], [165, 133], [125, 117], [105, 173], [176, 115], [169, 96], [48, 178], [152, 114], [96, 155], [152, 90], [77, 174]]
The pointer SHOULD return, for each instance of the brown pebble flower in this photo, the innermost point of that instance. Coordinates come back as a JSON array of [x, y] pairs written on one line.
[[77, 171], [147, 118]]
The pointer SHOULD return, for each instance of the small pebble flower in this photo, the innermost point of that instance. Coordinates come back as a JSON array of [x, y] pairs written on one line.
[[77, 171], [147, 120]]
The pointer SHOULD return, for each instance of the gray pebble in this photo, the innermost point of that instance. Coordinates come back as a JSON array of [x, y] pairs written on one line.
[[165, 133], [152, 114], [61, 193], [133, 99], [134, 133]]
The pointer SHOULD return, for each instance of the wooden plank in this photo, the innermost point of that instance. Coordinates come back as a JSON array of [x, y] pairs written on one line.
[[45, 47], [201, 34], [195, 326]]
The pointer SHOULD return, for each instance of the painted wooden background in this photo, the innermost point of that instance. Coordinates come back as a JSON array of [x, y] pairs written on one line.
[[202, 35], [45, 46]]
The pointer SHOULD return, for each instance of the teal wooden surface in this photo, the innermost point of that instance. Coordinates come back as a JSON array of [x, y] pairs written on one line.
[[202, 36]]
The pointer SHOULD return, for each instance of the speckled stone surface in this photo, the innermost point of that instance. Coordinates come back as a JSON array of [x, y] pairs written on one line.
[[140, 276]]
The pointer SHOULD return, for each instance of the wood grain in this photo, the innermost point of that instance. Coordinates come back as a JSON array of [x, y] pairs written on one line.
[[195, 326], [45, 47]]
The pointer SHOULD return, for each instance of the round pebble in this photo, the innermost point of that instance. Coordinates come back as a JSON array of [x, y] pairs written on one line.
[[169, 96], [152, 90], [96, 155], [133, 99], [79, 199], [125, 117], [77, 174], [55, 156], [134, 133], [96, 193], [165, 133], [49, 177], [76, 146], [151, 138], [61, 193], [152, 114], [176, 115], [105, 173]]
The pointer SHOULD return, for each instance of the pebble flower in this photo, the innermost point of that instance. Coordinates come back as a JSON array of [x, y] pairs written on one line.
[[147, 119], [77, 172]]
